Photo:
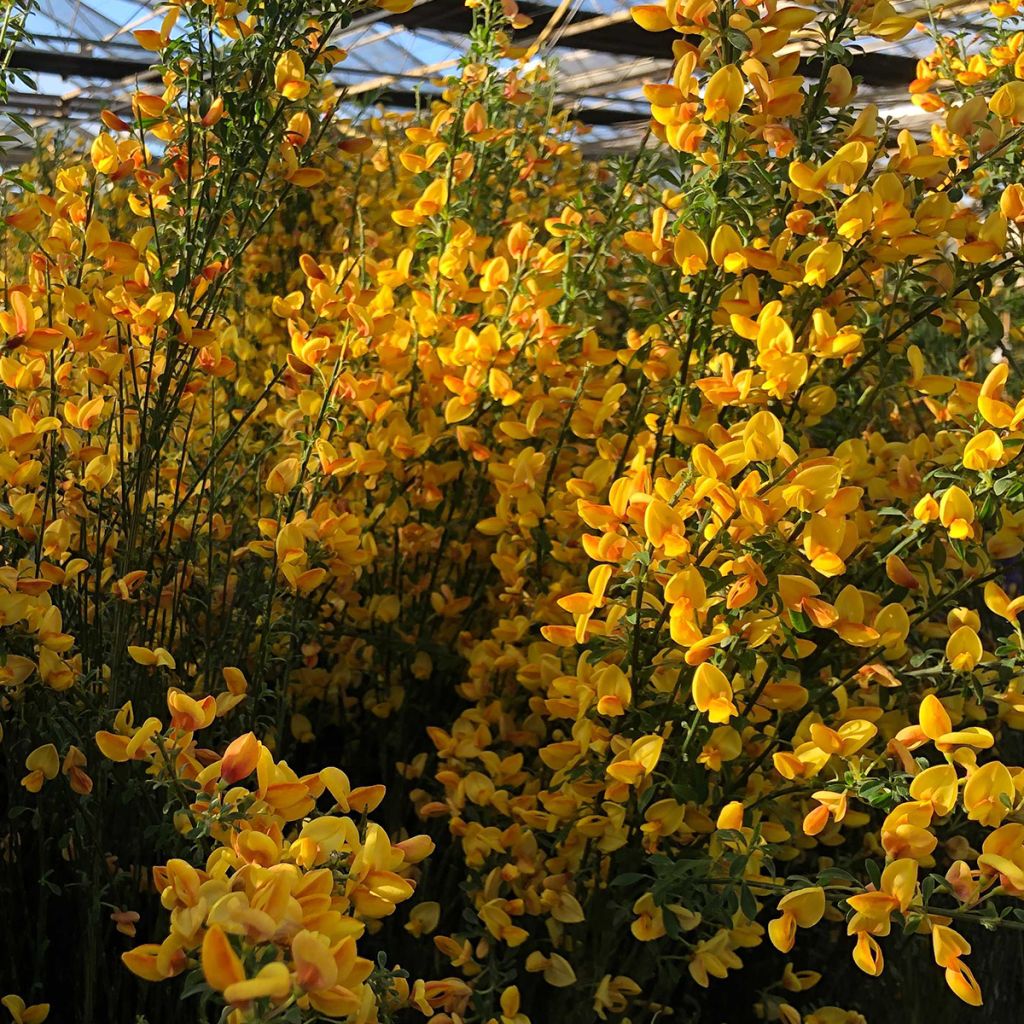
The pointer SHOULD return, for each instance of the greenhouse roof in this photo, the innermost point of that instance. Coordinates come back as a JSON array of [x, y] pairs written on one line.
[[83, 57]]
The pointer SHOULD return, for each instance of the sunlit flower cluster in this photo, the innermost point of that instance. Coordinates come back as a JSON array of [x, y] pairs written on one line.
[[651, 525]]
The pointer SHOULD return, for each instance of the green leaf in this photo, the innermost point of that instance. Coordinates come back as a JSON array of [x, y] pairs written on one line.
[[874, 873], [21, 123], [629, 878], [738, 40], [993, 325], [748, 904], [1005, 484]]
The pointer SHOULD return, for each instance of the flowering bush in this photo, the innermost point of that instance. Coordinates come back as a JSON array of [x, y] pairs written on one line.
[[651, 527]]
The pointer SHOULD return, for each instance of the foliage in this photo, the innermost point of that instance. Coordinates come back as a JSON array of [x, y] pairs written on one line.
[[13, 31], [651, 527]]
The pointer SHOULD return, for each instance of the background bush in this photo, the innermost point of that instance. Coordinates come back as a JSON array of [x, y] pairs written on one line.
[[650, 529]]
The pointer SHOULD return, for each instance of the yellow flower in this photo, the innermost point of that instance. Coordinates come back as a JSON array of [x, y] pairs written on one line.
[[989, 794], [43, 764], [800, 909], [823, 263], [22, 1014], [956, 513], [240, 758], [712, 693], [1007, 101], [963, 649], [984, 452], [651, 17], [220, 963], [689, 251], [290, 76], [423, 918], [723, 94]]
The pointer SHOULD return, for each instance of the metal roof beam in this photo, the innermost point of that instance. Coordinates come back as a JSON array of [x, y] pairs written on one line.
[[76, 65], [35, 104], [80, 44], [53, 107], [410, 99], [616, 35]]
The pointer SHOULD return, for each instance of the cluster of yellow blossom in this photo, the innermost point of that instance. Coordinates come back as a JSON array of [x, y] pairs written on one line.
[[655, 522], [265, 889]]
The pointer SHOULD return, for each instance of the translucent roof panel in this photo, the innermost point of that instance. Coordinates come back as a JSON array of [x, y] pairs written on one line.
[[83, 57]]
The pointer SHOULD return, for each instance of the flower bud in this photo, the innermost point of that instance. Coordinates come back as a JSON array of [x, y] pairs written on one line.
[[240, 758]]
